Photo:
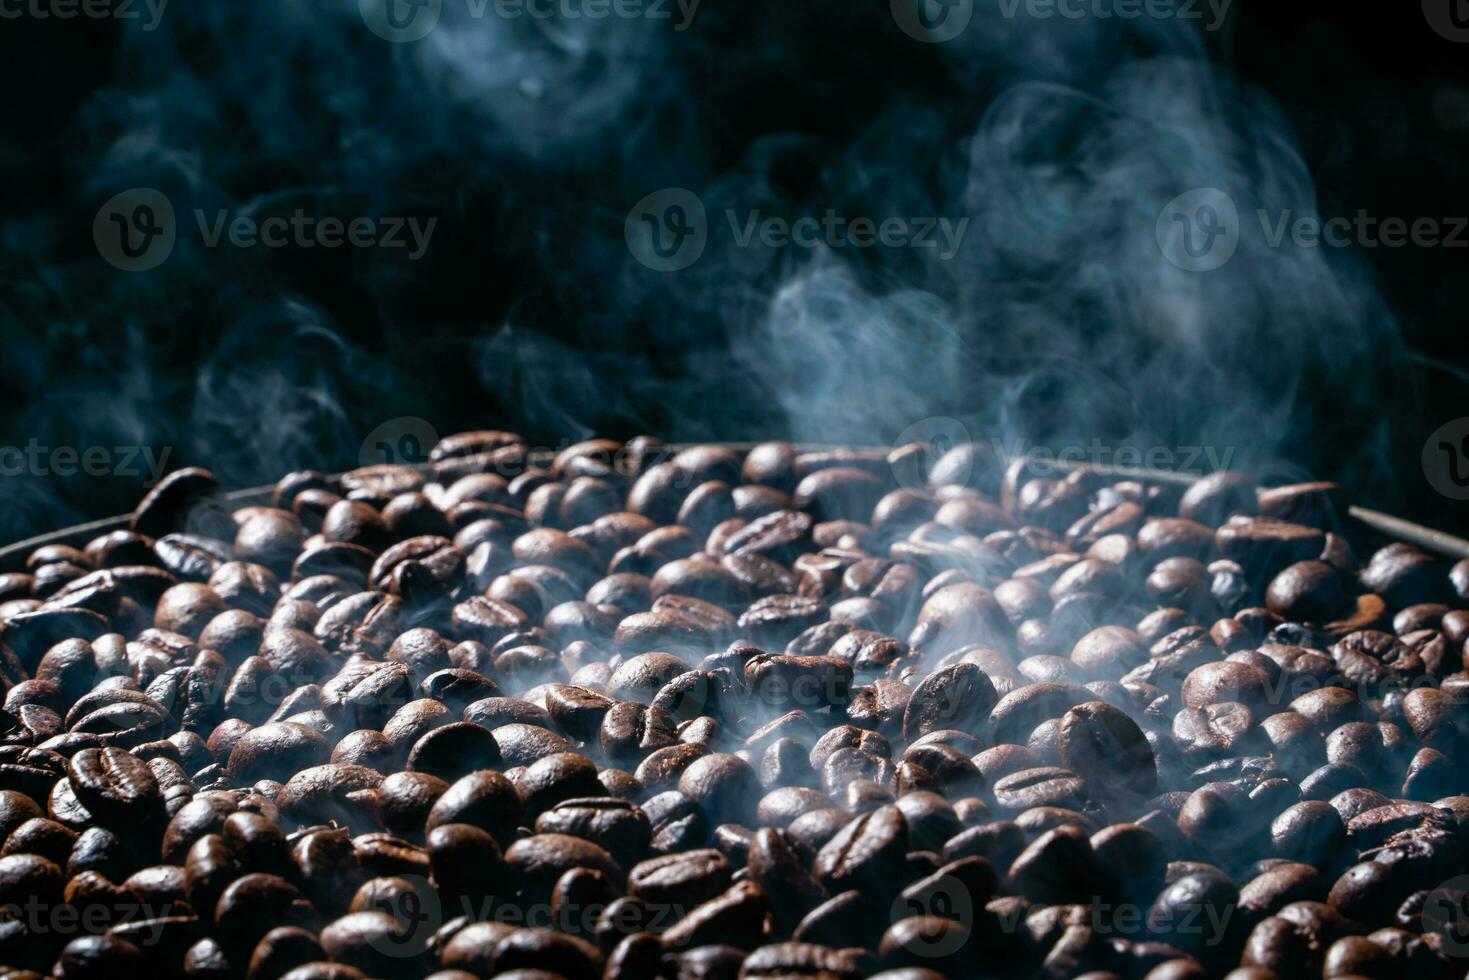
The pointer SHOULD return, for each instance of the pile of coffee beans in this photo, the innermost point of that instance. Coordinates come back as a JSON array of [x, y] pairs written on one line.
[[629, 711]]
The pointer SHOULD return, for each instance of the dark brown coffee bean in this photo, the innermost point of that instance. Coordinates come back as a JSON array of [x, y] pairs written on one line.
[[1228, 681], [282, 950], [487, 620], [276, 751], [867, 853], [1106, 747], [1057, 867], [680, 881], [958, 697], [537, 862], [1044, 787], [1018, 713], [692, 695], [1404, 576], [724, 786], [782, 682], [1437, 719], [629, 731], [1219, 730], [466, 861], [618, 826], [1217, 497], [548, 781], [1308, 592], [117, 788], [1309, 832], [167, 505], [1205, 901], [454, 750]]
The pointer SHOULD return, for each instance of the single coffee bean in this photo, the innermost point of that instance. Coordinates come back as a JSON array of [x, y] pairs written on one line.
[[1106, 747]]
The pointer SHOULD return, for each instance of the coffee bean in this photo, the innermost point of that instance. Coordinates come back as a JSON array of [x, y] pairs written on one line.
[[1308, 591], [957, 697], [117, 788], [168, 504], [298, 666], [680, 881], [867, 853], [1106, 747]]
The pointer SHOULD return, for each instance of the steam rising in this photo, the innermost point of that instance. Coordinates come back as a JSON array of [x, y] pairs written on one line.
[[1059, 321]]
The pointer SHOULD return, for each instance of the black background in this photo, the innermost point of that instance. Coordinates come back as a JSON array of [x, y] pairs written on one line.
[[290, 358]]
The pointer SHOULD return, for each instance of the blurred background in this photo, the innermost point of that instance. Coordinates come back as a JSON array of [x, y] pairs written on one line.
[[562, 224]]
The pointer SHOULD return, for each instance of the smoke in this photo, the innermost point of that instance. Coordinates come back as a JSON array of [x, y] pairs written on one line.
[[1049, 147]]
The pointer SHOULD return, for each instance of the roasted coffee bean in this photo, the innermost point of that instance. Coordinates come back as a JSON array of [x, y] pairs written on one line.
[[867, 853], [958, 697], [454, 750], [1071, 651], [1106, 747], [1308, 591], [680, 881], [779, 681], [1019, 712], [276, 751], [167, 505], [117, 788], [724, 786]]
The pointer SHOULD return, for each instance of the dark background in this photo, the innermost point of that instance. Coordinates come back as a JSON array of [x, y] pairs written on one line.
[[1055, 327]]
